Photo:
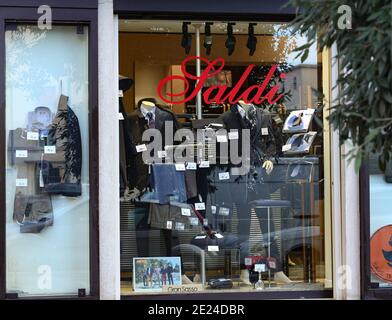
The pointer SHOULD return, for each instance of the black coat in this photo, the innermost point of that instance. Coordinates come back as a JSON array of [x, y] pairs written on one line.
[[138, 175]]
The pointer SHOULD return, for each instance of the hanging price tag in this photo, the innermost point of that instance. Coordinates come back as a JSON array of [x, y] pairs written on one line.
[[213, 209], [180, 166], [120, 116], [50, 149], [32, 135], [260, 267], [191, 166], [213, 248], [180, 226], [186, 212], [224, 176], [224, 211], [141, 148], [200, 206], [264, 131], [169, 224], [194, 221], [162, 154], [221, 138], [218, 235], [204, 164], [21, 182], [233, 135], [21, 154], [120, 93]]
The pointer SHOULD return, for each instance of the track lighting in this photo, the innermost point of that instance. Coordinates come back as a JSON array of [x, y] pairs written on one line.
[[230, 41], [208, 38], [252, 40], [186, 41]]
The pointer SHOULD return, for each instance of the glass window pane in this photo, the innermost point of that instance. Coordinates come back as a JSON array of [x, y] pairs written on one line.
[[47, 173]]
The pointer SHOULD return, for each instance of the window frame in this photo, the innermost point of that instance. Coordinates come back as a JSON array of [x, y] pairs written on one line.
[[60, 16]]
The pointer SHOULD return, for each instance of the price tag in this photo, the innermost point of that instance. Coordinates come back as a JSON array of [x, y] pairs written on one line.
[[186, 212], [272, 264], [180, 166], [50, 149], [213, 209], [264, 131], [21, 182], [248, 261], [120, 116], [224, 176], [180, 226], [32, 135], [213, 248], [120, 93], [221, 138], [194, 221], [224, 211], [200, 206], [286, 147], [218, 235], [141, 148], [169, 224], [233, 135], [21, 154], [204, 164], [191, 166], [260, 267], [162, 154], [205, 222]]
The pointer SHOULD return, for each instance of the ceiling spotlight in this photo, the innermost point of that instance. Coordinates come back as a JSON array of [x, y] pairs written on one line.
[[186, 41], [252, 40], [208, 38], [230, 41]]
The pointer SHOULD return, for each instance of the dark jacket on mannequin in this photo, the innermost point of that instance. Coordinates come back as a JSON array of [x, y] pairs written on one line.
[[139, 173]]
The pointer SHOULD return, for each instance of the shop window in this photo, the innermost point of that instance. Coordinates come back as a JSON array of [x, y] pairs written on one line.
[[193, 216], [47, 168]]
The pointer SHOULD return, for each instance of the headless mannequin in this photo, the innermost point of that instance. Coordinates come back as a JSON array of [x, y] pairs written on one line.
[[243, 108]]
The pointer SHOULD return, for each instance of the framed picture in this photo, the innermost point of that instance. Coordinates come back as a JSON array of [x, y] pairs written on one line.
[[150, 274]]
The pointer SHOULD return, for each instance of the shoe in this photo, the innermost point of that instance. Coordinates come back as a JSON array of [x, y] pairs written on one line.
[[186, 280], [245, 277], [280, 277], [196, 278]]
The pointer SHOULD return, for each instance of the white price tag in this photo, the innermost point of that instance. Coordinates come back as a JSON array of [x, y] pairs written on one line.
[[224, 211], [221, 138], [286, 147], [248, 261], [218, 235], [264, 131], [204, 164], [120, 116], [213, 209], [180, 166], [120, 93], [50, 149], [205, 222], [180, 226], [200, 206], [21, 182], [260, 267], [169, 224], [21, 154], [213, 248], [141, 148], [224, 176], [191, 166], [272, 264], [162, 154], [186, 212], [32, 135], [233, 135], [194, 221]]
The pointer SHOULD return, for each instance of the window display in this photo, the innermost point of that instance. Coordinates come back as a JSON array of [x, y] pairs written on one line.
[[47, 173], [236, 196]]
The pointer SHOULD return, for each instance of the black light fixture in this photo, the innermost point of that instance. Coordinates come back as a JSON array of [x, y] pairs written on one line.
[[252, 40], [230, 41], [186, 41], [208, 38]]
